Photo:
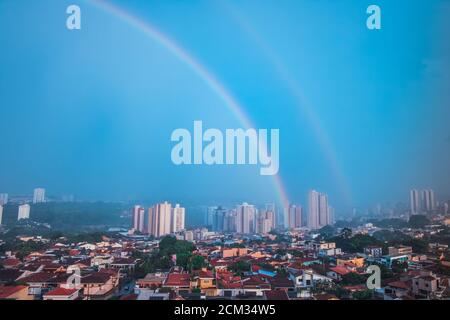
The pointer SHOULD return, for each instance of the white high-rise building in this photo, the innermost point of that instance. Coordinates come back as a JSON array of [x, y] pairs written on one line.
[[428, 200], [39, 195], [323, 210], [294, 216], [159, 222], [178, 217], [270, 207], [3, 199], [313, 209], [414, 201], [24, 212], [330, 215], [245, 218], [1, 214], [319, 212], [138, 218]]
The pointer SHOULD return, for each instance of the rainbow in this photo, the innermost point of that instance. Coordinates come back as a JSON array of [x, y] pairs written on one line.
[[210, 80], [300, 98]]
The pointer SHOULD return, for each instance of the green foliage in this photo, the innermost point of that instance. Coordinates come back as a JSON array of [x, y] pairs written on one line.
[[386, 273], [70, 216], [354, 244], [418, 245], [391, 236], [418, 221], [399, 267], [391, 223], [90, 237], [444, 270], [23, 249], [197, 262], [327, 231], [170, 245], [353, 278], [240, 267], [363, 295], [162, 259]]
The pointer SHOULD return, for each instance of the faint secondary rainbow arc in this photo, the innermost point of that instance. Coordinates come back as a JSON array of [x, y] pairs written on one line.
[[196, 66], [299, 96]]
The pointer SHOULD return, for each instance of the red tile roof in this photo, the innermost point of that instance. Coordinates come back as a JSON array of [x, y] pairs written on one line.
[[340, 270], [399, 284], [7, 291], [178, 280], [205, 274], [281, 282], [61, 292], [276, 295], [132, 296], [10, 262], [38, 277]]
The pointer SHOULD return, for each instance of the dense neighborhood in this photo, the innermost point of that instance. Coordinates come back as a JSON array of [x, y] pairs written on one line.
[[330, 264]]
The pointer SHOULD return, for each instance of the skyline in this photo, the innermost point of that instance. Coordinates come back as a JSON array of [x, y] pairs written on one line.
[[420, 201], [105, 142]]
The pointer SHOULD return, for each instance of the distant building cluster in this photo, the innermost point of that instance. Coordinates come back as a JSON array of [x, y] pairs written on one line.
[[24, 208], [159, 220], [244, 219], [422, 201]]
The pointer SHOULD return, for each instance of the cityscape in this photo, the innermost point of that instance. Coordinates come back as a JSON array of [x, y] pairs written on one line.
[[225, 158], [247, 252]]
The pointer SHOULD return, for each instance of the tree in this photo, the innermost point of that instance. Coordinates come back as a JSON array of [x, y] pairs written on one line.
[[197, 262], [240, 267], [346, 233], [418, 221], [363, 295], [353, 278], [327, 231], [399, 267]]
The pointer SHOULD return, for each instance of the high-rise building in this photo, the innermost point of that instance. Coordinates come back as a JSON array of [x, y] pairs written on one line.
[[39, 195], [229, 222], [264, 222], [270, 207], [330, 216], [139, 219], [428, 200], [313, 209], [319, 212], [414, 201], [178, 217], [245, 218], [218, 218], [3, 199], [294, 216], [24, 212], [159, 223], [323, 210], [209, 218], [1, 214]]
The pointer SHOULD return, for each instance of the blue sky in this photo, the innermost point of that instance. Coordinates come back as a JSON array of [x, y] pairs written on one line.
[[363, 115]]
